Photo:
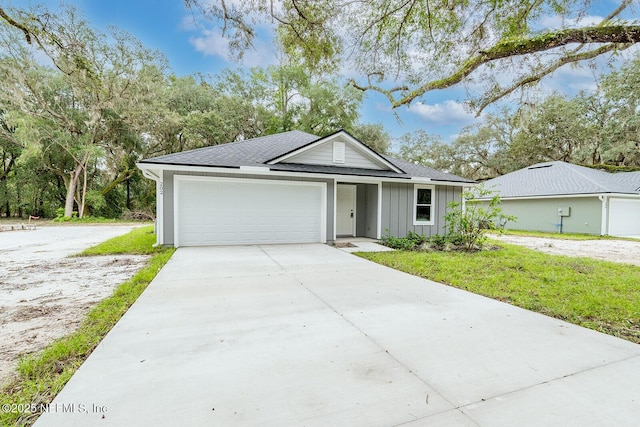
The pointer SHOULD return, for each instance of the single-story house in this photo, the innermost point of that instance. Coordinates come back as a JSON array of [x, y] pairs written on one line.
[[562, 197], [294, 187]]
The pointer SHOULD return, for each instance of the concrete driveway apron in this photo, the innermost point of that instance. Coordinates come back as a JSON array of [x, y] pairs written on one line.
[[310, 335]]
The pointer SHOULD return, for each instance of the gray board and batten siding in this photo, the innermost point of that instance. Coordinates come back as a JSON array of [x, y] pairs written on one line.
[[168, 193], [367, 210], [397, 209]]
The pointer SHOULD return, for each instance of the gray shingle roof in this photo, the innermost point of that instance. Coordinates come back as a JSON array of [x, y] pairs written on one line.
[[424, 172], [259, 151], [251, 152], [561, 178], [632, 179]]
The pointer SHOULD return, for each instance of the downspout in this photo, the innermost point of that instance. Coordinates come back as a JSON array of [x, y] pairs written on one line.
[[604, 224]]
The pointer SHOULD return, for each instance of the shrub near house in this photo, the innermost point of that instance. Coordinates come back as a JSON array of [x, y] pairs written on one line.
[[465, 227]]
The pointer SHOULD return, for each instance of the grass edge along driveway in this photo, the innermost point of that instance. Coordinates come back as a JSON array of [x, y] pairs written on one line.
[[599, 295], [42, 375]]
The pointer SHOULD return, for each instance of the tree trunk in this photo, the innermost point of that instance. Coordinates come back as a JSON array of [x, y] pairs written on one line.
[[129, 194], [84, 192], [19, 189], [71, 191], [6, 200]]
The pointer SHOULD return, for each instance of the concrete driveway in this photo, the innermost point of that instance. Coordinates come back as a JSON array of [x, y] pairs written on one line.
[[310, 335]]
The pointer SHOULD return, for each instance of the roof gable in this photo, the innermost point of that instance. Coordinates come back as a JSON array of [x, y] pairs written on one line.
[[339, 149]]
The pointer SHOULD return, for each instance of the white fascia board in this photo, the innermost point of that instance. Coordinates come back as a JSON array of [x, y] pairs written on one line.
[[269, 172], [562, 196], [260, 169], [151, 173], [354, 143], [623, 196], [420, 180], [355, 179], [434, 182], [368, 152]]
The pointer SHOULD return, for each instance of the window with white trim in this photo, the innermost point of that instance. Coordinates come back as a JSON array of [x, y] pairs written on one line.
[[423, 206]]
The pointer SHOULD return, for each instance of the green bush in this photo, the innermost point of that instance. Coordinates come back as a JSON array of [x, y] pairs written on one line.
[[61, 218], [468, 227], [408, 243]]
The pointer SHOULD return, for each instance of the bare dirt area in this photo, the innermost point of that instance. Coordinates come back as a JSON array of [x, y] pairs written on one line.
[[44, 294], [624, 251]]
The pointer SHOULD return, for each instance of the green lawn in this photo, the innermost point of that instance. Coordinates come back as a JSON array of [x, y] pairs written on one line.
[[600, 295], [139, 242], [41, 376]]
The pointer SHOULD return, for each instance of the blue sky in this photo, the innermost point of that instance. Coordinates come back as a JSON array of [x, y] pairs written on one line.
[[166, 25]]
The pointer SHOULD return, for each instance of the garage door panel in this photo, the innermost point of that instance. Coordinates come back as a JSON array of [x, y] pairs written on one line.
[[624, 217], [231, 211]]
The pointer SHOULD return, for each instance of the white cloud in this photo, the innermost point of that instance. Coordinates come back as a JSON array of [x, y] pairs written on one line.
[[448, 112], [211, 42], [559, 22], [572, 79], [189, 23]]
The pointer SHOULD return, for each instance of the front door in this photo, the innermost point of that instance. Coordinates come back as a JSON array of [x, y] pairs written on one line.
[[346, 210]]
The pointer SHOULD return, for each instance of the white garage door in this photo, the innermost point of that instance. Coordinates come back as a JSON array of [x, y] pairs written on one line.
[[624, 217], [227, 211]]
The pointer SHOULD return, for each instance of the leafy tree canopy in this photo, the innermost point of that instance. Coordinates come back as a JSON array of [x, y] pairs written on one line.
[[80, 107], [406, 48], [600, 129]]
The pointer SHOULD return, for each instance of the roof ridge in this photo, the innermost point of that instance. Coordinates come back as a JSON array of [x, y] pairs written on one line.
[[257, 138], [579, 170]]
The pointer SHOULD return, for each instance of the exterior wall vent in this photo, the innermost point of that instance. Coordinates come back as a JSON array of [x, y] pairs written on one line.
[[338, 152]]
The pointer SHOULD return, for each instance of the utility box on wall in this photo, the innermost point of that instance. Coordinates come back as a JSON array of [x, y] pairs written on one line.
[[564, 211]]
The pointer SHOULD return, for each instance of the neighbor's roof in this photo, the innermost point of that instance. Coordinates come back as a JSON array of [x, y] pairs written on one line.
[[561, 178], [259, 151]]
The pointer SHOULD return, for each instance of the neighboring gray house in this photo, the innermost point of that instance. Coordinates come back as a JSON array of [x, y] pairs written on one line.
[[559, 196], [294, 187]]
